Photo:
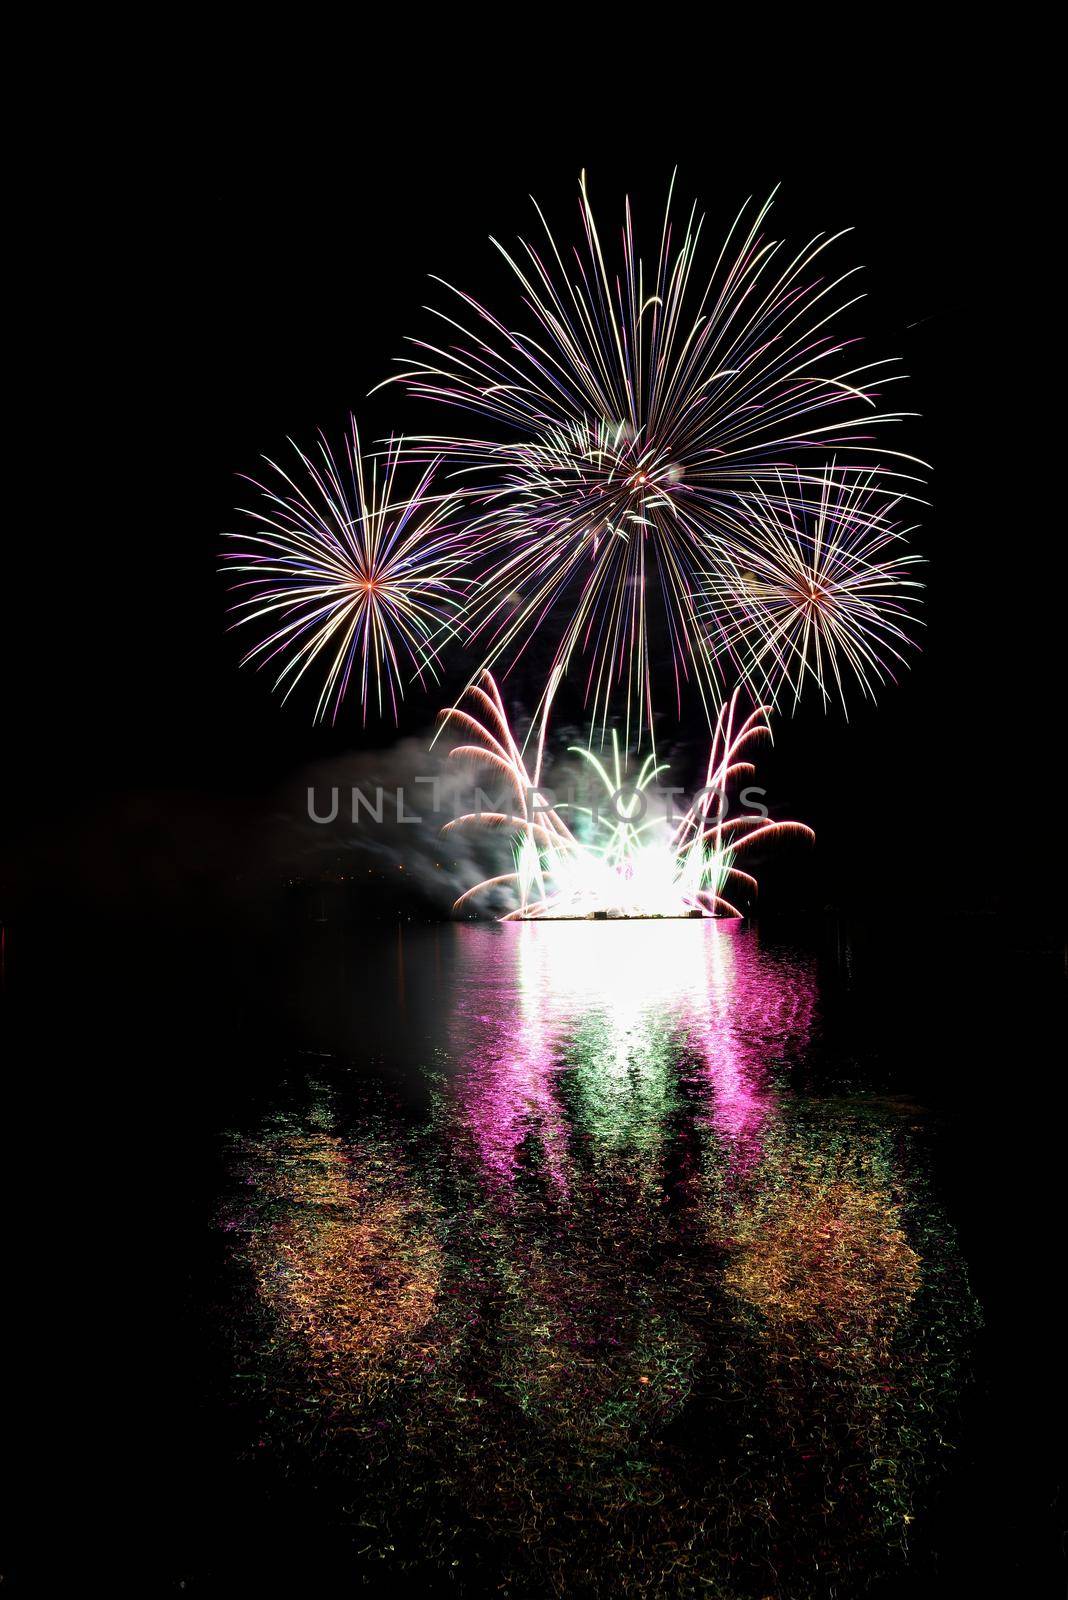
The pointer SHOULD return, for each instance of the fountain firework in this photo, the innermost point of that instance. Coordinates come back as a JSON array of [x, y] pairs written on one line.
[[629, 864]]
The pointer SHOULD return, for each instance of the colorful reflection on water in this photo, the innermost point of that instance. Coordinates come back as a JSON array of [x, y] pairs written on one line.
[[621, 1023], [622, 1313]]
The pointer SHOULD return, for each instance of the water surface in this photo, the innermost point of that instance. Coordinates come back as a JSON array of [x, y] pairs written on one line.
[[548, 1267]]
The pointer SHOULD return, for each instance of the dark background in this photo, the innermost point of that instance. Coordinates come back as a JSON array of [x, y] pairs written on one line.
[[252, 282], [235, 276]]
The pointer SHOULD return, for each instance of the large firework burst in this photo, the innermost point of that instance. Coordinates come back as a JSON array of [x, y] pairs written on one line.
[[636, 405], [816, 585], [350, 574]]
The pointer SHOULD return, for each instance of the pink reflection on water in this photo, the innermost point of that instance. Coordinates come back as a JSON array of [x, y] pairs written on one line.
[[509, 1061], [752, 1012], [727, 1011]]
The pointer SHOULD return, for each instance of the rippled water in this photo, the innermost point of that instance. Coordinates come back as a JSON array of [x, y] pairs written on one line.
[[576, 1291]]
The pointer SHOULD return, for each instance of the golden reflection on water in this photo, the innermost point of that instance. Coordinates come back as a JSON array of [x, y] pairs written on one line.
[[830, 1256], [339, 1242]]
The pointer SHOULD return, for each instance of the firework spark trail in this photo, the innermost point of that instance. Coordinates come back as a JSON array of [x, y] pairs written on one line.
[[817, 584], [349, 573], [644, 405], [631, 864]]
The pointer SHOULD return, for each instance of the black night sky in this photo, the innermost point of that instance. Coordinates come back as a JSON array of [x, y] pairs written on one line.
[[240, 277]]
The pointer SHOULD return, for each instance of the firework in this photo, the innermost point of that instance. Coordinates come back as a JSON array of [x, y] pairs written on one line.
[[351, 578], [816, 585], [637, 404], [629, 863]]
